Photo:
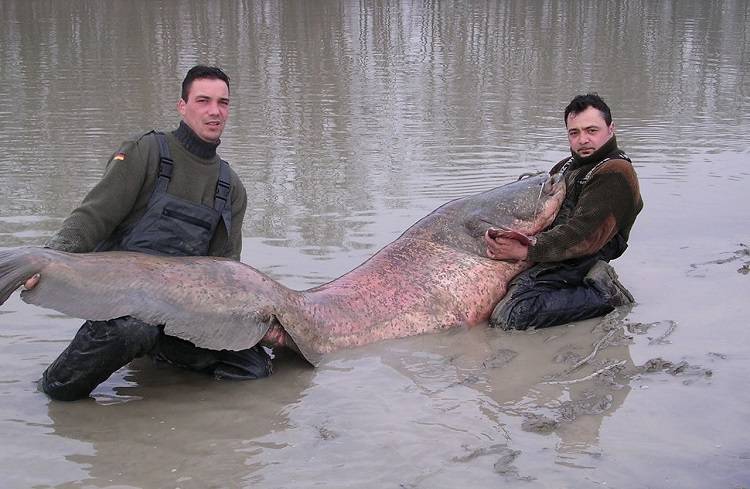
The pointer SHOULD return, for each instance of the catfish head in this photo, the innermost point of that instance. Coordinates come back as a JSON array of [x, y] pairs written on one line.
[[527, 205]]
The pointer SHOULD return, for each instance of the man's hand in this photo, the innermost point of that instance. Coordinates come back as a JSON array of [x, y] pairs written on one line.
[[500, 248], [31, 282]]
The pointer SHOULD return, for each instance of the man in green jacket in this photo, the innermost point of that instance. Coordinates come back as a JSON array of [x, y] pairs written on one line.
[[166, 194], [572, 279]]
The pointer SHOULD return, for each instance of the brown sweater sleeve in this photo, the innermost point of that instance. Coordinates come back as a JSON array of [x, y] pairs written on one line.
[[608, 204]]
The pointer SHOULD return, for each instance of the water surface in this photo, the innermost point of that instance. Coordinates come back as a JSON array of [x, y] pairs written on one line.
[[350, 121]]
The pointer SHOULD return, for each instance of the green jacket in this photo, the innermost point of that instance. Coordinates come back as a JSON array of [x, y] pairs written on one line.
[[121, 196]]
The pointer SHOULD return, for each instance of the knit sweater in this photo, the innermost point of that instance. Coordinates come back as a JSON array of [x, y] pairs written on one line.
[[121, 197], [593, 212]]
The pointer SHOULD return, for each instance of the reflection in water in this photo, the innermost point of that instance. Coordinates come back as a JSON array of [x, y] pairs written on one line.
[[187, 431], [345, 111], [351, 120], [471, 393]]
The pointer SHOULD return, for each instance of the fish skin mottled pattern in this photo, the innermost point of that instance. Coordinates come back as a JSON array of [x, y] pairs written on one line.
[[434, 276]]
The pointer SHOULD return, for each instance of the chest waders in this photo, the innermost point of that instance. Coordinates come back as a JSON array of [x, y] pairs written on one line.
[[549, 294], [170, 226]]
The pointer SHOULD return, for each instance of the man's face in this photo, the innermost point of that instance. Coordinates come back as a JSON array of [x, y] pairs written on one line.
[[587, 131], [206, 109]]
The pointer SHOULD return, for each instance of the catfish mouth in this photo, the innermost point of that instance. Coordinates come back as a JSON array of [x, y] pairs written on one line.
[[551, 188], [554, 190], [548, 186], [555, 183]]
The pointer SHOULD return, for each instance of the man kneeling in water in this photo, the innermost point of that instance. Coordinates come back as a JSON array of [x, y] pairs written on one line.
[[164, 194], [572, 279]]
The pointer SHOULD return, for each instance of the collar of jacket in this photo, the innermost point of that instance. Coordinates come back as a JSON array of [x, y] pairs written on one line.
[[607, 149]]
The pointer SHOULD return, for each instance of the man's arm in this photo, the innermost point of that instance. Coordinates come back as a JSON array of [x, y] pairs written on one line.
[[239, 206], [106, 205], [608, 202]]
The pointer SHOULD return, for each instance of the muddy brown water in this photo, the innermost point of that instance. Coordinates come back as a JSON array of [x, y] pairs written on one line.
[[350, 121]]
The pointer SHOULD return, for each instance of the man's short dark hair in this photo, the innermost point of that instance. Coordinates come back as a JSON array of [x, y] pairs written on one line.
[[583, 102], [198, 72]]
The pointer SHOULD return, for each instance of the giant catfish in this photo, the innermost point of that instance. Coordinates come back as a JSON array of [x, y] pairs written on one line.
[[436, 275]]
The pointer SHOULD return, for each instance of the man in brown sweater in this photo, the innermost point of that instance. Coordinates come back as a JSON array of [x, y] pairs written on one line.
[[572, 279], [165, 194]]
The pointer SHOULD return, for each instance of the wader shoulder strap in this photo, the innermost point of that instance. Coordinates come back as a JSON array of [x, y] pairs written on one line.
[[221, 199], [619, 155], [223, 185], [166, 164]]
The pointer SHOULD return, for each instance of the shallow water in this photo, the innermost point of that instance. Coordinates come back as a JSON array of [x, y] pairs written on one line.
[[349, 122]]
